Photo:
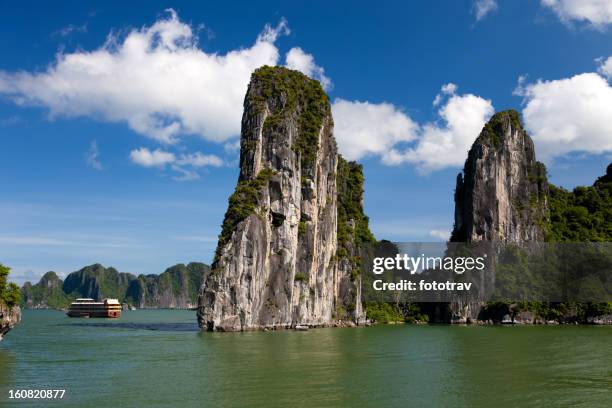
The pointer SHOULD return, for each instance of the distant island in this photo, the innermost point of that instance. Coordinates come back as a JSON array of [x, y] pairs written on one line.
[[176, 288]]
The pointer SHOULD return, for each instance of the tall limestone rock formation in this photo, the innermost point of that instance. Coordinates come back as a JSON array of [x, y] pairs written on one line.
[[280, 261], [502, 193]]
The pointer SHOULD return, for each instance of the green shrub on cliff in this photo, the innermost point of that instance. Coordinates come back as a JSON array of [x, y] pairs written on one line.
[[241, 204], [287, 89], [494, 127], [353, 225], [10, 294]]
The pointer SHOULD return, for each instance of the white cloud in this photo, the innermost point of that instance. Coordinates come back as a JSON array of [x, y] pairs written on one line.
[[297, 59], [484, 7], [595, 12], [447, 89], [567, 115], [364, 128], [198, 159], [442, 235], [183, 166], [444, 145], [156, 79], [605, 68], [93, 156], [147, 158]]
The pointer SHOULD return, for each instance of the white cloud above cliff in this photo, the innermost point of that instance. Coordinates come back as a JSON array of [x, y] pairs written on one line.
[[597, 13], [568, 115], [301, 61], [156, 79], [364, 129], [445, 143]]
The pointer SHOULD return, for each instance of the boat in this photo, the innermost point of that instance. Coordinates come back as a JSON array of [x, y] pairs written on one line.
[[86, 307]]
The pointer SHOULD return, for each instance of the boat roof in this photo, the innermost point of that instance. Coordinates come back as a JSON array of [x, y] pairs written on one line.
[[113, 301]]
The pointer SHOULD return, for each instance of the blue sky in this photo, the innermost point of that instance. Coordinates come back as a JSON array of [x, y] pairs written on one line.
[[115, 154]]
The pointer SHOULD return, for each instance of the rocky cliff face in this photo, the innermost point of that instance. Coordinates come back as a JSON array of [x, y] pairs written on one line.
[[9, 318], [47, 293], [278, 262], [176, 288], [502, 193], [97, 282]]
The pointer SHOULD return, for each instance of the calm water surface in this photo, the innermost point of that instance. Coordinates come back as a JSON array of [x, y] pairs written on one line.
[[159, 358]]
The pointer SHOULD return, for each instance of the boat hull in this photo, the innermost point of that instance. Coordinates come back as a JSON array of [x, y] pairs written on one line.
[[101, 314]]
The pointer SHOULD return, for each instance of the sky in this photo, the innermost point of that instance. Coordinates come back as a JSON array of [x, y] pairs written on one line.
[[119, 122]]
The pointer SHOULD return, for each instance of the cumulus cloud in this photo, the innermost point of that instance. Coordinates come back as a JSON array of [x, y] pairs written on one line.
[[147, 158], [484, 7], [297, 59], [445, 144], [595, 12], [156, 79], [93, 156], [568, 115], [363, 128]]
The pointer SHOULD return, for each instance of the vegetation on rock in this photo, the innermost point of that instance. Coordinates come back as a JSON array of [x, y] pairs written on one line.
[[353, 225], [290, 90], [10, 294], [582, 215], [495, 126], [241, 204]]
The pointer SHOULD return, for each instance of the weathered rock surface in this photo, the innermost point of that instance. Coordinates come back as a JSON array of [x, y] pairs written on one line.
[[176, 288], [9, 318], [501, 194], [279, 262]]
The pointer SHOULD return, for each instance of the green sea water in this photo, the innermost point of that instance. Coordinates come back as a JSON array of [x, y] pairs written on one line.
[[158, 358]]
